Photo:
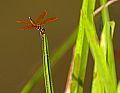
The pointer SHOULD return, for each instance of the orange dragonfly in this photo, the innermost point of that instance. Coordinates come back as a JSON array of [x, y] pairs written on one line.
[[37, 23]]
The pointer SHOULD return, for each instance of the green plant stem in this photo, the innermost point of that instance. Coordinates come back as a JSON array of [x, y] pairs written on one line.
[[46, 66], [54, 58]]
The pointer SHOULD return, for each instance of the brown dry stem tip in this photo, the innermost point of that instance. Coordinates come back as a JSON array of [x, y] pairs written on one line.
[[106, 5]]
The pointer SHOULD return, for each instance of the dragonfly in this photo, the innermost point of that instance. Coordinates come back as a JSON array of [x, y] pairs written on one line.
[[37, 23]]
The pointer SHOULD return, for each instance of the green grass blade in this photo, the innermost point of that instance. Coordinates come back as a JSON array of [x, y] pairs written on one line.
[[118, 87], [110, 58], [106, 44], [96, 82], [80, 62], [112, 26], [98, 56], [108, 49], [56, 56], [46, 66], [105, 14], [81, 52], [79, 69]]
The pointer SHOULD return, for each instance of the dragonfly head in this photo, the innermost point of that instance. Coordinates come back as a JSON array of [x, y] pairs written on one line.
[[42, 30]]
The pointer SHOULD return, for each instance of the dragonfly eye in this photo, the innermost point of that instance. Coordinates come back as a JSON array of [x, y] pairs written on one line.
[[43, 29], [38, 27]]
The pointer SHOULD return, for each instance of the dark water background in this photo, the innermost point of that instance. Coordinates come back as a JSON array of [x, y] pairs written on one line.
[[20, 51]]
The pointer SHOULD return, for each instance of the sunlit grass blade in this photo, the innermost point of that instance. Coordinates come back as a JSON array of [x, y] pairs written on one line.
[[80, 58], [46, 66], [108, 34], [106, 44], [64, 47], [98, 55], [118, 87], [112, 28], [79, 69], [111, 61], [96, 82], [96, 86], [82, 47], [105, 14]]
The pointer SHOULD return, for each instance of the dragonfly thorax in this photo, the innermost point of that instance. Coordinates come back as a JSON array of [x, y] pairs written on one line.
[[41, 29], [38, 27]]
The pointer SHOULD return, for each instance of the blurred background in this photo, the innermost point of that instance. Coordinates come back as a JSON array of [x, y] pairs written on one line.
[[21, 51]]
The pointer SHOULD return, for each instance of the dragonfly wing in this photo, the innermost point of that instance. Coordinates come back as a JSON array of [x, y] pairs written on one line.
[[49, 20], [41, 16], [23, 22], [26, 27]]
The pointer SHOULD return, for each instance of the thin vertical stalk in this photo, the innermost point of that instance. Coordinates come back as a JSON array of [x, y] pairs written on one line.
[[46, 66]]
